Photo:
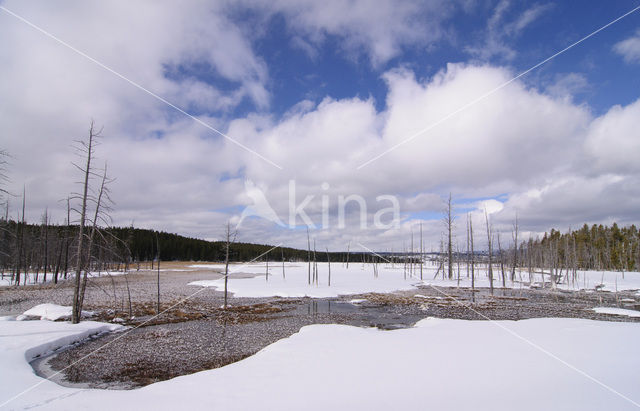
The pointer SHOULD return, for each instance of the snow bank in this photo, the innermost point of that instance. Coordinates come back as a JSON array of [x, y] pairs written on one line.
[[23, 341], [617, 311], [51, 312], [439, 364]]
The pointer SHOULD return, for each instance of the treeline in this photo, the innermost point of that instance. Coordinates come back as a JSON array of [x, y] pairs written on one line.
[[597, 247], [143, 245], [49, 250]]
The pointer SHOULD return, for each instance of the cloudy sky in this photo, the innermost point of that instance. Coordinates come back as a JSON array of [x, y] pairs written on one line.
[[207, 105]]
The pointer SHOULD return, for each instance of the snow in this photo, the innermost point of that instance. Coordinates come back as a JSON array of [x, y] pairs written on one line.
[[588, 280], [215, 266], [617, 311], [51, 312], [359, 278], [32, 278], [23, 341], [439, 364]]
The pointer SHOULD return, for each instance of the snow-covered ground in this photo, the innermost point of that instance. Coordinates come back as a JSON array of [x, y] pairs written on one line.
[[32, 278], [359, 278], [551, 364], [51, 312], [617, 311]]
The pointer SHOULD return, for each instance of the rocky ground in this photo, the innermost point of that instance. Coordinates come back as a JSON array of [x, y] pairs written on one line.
[[194, 333]]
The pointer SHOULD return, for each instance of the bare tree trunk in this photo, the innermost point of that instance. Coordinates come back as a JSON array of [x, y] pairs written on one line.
[[158, 272], [449, 224], [229, 239], [412, 255], [490, 246], [66, 240], [76, 313], [94, 227], [309, 255], [348, 253], [20, 234], [126, 279], [315, 264], [501, 254], [473, 257], [329, 264], [421, 252], [45, 228], [515, 249]]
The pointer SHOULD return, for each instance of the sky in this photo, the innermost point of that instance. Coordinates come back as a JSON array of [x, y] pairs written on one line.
[[278, 115]]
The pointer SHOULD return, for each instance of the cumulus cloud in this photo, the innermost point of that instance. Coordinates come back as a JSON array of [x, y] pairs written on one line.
[[613, 141], [378, 31], [164, 162], [629, 48], [522, 150]]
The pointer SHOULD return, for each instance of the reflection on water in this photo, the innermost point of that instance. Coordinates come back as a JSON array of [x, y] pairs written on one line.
[[368, 315]]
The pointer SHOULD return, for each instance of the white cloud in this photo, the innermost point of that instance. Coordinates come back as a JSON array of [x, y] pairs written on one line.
[[377, 30], [547, 157], [629, 48], [614, 140], [502, 31], [163, 161], [567, 85]]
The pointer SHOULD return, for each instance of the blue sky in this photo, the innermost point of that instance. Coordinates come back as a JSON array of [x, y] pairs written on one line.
[[296, 74], [328, 93]]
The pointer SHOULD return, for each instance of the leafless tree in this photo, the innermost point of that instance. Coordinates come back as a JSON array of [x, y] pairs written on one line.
[[309, 255], [20, 237], [490, 249], [85, 149], [473, 283], [158, 275], [421, 252], [329, 265], [45, 242], [514, 235], [102, 207], [348, 253], [501, 256], [448, 221], [229, 238]]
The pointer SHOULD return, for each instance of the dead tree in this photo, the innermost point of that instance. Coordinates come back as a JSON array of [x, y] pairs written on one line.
[[158, 275], [329, 265], [490, 248], [85, 148], [230, 237], [102, 205], [67, 242], [473, 283], [501, 254], [448, 221], [20, 237], [348, 252], [514, 236], [309, 255], [45, 243], [421, 252]]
